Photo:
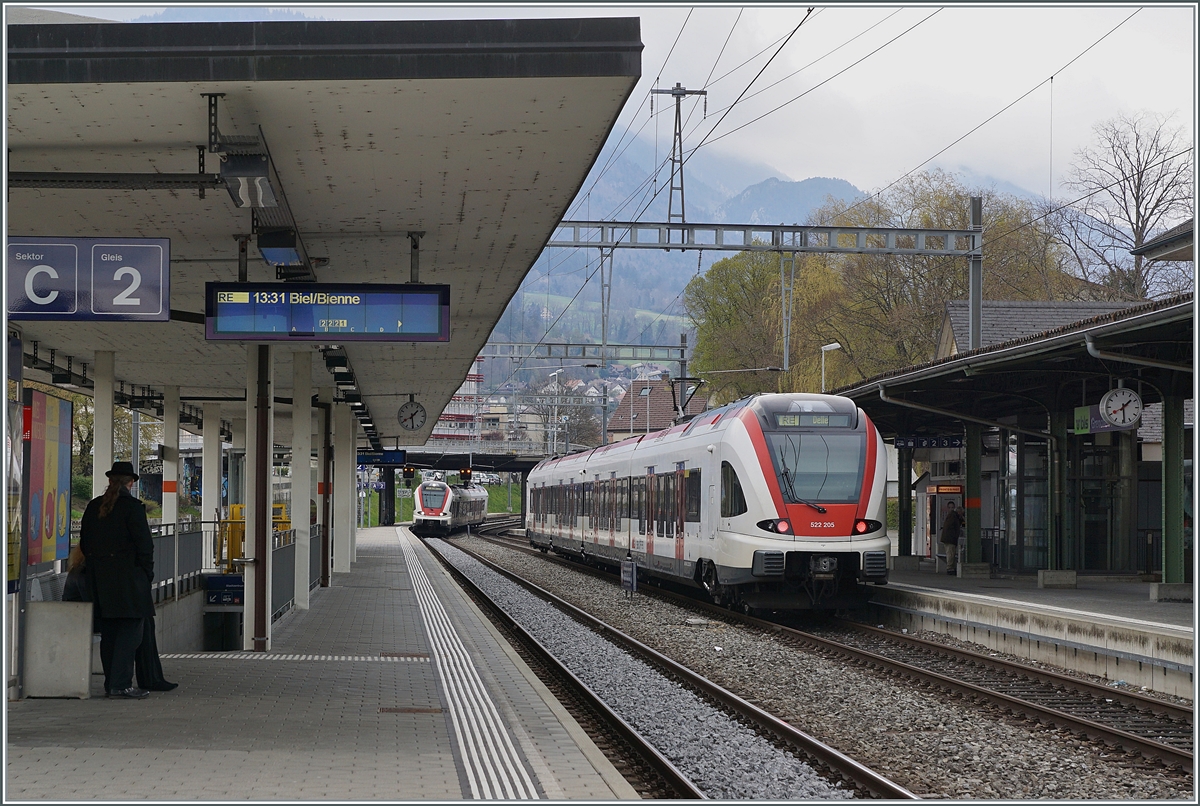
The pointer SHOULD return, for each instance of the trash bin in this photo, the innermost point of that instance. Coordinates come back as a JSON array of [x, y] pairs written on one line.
[[224, 600], [222, 629]]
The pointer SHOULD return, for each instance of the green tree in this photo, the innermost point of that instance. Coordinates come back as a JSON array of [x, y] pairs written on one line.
[[886, 311], [734, 308]]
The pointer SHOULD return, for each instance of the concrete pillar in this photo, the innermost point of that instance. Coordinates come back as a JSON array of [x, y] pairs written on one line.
[[325, 478], [259, 417], [971, 502], [170, 458], [1173, 493], [301, 468], [344, 500], [102, 447]]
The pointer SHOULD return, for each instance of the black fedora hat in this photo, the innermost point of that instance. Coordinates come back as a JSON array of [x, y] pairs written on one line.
[[122, 469]]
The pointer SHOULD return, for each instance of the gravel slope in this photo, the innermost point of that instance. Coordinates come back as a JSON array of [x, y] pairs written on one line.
[[934, 745]]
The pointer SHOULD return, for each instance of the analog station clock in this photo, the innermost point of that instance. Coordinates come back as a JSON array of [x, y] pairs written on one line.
[[1120, 407], [411, 416]]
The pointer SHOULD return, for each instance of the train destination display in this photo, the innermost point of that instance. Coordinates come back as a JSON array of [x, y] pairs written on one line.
[[317, 311]]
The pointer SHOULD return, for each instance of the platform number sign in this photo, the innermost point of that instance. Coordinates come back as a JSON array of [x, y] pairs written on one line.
[[95, 279]]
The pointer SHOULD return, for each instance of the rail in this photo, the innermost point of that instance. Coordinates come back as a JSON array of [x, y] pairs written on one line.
[[1151, 741], [832, 759]]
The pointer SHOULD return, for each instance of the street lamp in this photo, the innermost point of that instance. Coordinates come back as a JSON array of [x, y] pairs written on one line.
[[824, 349], [646, 394]]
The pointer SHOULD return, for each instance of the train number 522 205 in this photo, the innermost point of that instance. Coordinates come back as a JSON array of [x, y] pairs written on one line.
[[821, 524]]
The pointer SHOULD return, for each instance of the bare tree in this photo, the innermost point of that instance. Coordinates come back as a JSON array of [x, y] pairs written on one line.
[[1137, 179]]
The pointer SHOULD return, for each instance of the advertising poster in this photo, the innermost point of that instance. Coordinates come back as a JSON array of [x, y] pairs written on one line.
[[47, 436], [12, 479]]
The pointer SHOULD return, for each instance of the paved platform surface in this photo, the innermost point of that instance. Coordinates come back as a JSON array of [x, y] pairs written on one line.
[[351, 703], [1101, 597]]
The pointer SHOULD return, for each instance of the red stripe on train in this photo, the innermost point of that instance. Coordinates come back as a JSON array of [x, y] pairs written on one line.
[[864, 496], [759, 440]]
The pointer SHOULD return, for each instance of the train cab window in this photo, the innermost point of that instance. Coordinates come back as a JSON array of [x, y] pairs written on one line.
[[691, 496], [733, 502], [433, 497]]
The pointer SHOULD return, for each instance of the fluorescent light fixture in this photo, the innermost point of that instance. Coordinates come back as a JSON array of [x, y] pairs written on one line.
[[245, 177], [279, 248]]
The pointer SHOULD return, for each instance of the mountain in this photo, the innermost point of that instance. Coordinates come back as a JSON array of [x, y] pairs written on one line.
[[776, 201]]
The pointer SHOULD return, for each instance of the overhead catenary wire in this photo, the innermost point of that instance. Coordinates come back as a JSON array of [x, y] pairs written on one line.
[[1025, 95]]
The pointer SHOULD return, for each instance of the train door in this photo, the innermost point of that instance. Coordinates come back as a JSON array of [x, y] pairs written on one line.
[[651, 503], [680, 531]]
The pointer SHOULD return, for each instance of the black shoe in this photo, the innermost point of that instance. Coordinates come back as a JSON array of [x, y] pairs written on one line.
[[163, 686], [130, 693]]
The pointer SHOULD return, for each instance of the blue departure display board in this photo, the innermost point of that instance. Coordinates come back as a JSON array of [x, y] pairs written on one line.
[[322, 311]]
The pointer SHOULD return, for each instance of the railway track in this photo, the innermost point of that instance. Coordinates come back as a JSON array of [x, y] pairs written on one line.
[[1156, 729], [836, 765]]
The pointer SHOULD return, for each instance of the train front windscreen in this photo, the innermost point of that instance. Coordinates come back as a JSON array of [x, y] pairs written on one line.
[[817, 450], [433, 496]]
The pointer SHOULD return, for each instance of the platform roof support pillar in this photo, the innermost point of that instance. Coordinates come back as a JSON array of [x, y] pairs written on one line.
[[102, 419], [170, 456], [325, 476], [210, 475], [237, 463], [387, 501], [344, 501], [904, 503], [971, 498], [259, 420], [1173, 566], [301, 468], [1060, 427]]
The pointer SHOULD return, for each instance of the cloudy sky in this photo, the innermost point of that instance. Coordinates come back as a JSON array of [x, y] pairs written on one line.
[[867, 93]]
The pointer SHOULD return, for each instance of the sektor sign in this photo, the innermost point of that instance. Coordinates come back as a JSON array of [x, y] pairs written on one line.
[[93, 279]]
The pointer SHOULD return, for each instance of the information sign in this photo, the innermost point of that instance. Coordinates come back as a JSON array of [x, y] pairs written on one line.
[[1089, 421], [629, 576], [928, 442], [91, 279], [382, 457], [317, 311]]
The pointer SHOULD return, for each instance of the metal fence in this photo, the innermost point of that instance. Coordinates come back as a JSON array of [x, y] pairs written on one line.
[[314, 556], [178, 559], [283, 573]]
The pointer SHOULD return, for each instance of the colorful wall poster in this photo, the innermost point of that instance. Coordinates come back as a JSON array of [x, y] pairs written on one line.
[[47, 436]]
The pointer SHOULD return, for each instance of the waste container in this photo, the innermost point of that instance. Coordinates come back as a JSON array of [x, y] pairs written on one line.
[[222, 629], [224, 600]]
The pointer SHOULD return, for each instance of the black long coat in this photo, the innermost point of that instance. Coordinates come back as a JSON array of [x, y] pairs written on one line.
[[120, 557]]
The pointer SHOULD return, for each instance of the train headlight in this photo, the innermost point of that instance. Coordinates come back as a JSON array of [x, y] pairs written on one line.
[[861, 526], [780, 526]]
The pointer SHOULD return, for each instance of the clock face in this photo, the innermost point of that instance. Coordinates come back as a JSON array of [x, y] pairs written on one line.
[[411, 415], [1121, 407]]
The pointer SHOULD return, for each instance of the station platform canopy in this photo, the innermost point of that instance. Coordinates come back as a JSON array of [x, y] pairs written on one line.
[[476, 133]]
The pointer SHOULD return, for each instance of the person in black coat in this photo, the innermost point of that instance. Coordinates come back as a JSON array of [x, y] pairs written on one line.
[[114, 536]]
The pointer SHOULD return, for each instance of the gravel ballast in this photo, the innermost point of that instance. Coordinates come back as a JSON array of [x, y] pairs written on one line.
[[722, 757], [934, 744]]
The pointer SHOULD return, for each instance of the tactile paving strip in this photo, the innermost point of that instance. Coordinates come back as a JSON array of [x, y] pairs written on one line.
[[269, 656]]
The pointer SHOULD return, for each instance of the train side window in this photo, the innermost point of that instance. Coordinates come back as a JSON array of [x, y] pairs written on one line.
[[639, 504], [692, 496], [733, 502]]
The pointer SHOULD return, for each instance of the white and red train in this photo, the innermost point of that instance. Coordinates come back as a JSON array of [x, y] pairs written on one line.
[[777, 501], [440, 508]]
